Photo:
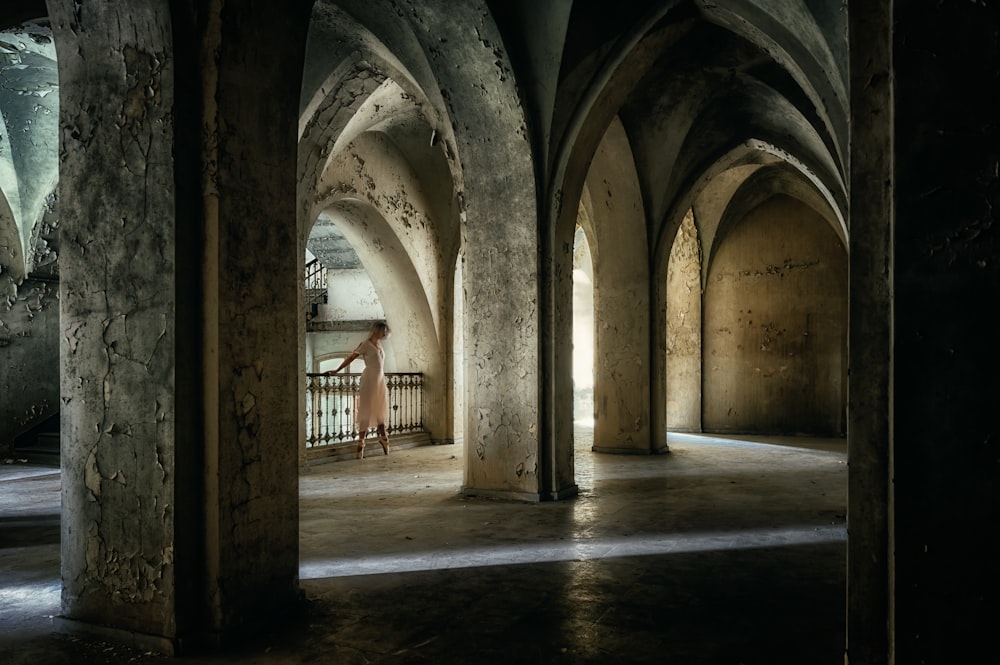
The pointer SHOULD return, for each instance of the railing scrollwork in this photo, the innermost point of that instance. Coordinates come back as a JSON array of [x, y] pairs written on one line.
[[331, 404]]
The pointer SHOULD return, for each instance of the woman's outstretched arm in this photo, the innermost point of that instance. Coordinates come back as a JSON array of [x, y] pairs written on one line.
[[347, 361]]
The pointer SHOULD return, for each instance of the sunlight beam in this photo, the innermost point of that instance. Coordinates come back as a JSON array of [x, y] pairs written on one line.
[[583, 550]]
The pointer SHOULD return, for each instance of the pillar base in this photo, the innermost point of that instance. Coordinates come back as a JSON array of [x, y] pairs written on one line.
[[611, 450], [92, 631], [530, 497], [565, 493]]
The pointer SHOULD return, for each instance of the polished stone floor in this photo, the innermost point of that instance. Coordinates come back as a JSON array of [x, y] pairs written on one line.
[[725, 551]]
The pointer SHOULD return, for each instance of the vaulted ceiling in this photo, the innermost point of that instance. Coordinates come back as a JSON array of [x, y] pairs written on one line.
[[29, 118]]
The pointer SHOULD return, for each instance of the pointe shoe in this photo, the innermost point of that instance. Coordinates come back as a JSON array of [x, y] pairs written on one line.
[[384, 440], [361, 451]]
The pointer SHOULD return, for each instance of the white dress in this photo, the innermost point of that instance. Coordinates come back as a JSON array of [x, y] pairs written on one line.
[[373, 395]]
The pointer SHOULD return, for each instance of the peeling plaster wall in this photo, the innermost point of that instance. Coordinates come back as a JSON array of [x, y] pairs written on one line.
[[29, 356], [684, 330], [500, 256], [374, 169], [501, 362], [775, 325], [117, 325], [398, 236], [351, 297], [179, 297]]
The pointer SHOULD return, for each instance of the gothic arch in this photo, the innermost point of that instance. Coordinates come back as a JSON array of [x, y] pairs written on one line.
[[775, 320], [395, 279], [739, 87], [496, 209], [11, 259], [711, 190], [736, 181], [28, 134], [507, 450], [776, 179]]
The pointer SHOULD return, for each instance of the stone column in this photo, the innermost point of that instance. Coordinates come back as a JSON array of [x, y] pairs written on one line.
[[501, 359], [178, 300], [622, 312], [123, 490], [499, 219], [869, 334], [250, 285], [682, 359]]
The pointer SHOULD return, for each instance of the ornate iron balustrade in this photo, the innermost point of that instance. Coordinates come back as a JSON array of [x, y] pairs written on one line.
[[331, 403], [315, 286], [315, 279]]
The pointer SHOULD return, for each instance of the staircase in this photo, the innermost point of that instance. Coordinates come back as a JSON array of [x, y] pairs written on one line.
[[39, 444], [315, 287]]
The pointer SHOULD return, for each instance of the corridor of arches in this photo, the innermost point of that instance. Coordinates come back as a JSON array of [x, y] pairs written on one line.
[[646, 211]]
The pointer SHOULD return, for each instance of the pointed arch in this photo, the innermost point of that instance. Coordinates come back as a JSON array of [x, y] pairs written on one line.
[[395, 279]]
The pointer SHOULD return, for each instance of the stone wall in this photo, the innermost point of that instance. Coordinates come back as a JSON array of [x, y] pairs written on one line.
[[775, 325], [29, 348]]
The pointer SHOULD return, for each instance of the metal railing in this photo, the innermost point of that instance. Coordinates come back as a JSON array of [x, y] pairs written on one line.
[[315, 285], [331, 404], [315, 278]]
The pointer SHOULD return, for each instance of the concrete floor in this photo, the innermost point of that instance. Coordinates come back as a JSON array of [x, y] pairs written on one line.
[[726, 551]]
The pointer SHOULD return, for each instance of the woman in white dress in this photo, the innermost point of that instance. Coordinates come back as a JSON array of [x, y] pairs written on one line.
[[373, 395]]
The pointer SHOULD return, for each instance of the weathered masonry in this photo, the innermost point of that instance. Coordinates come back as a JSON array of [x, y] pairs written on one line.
[[739, 216]]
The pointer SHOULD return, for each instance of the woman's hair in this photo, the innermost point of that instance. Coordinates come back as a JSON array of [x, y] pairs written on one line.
[[380, 325]]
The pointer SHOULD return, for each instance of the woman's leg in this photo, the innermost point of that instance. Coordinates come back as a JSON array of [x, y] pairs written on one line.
[[383, 438], [362, 433]]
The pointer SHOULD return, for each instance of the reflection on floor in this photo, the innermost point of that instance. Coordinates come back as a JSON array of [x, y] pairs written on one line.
[[726, 550]]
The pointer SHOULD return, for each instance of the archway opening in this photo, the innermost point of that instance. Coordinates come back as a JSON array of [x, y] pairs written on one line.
[[29, 243], [583, 331], [775, 324], [457, 355], [341, 300]]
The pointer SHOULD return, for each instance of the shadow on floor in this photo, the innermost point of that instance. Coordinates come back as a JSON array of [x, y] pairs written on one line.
[[722, 552]]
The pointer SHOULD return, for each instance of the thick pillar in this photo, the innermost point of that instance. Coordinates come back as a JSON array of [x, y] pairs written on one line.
[[682, 344], [251, 313], [178, 297], [869, 335], [123, 552], [559, 446], [622, 342], [501, 363], [499, 219]]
